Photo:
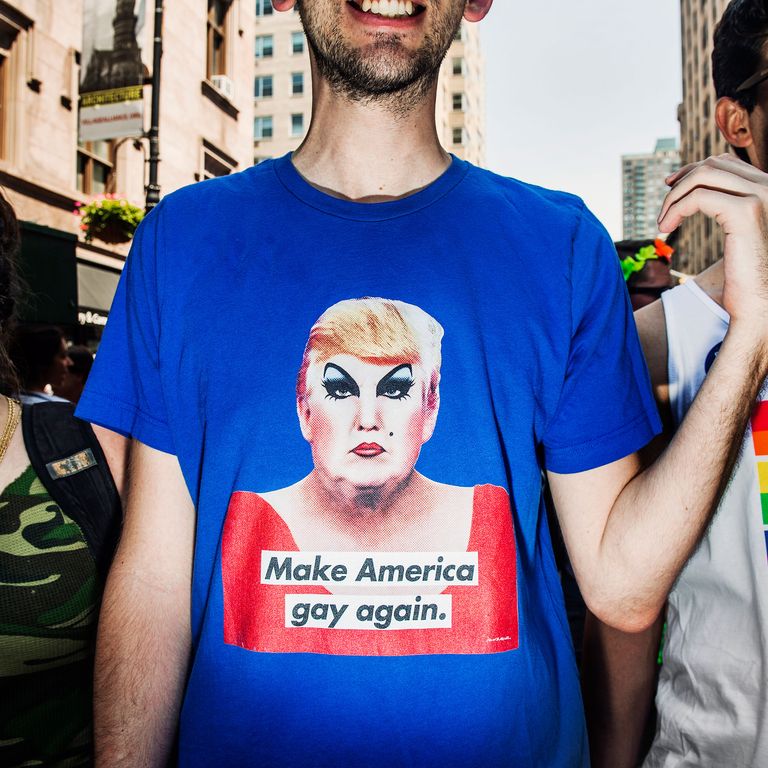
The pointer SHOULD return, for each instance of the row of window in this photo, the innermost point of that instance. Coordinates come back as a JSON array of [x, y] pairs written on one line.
[[265, 45], [263, 126], [263, 85]]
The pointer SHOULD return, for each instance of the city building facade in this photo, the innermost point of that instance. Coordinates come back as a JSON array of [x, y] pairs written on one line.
[[644, 189], [205, 129], [700, 242], [282, 91]]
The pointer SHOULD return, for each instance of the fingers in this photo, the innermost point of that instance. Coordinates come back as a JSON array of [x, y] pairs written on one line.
[[725, 175], [726, 209], [729, 163], [708, 177]]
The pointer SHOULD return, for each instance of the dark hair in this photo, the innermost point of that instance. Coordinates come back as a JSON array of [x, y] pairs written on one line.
[[740, 37], [82, 360], [33, 351], [9, 293]]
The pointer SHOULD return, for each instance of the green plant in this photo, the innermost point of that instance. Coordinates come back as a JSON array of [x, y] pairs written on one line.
[[109, 218]]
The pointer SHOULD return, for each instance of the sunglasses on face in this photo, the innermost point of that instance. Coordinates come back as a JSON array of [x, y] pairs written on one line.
[[751, 82]]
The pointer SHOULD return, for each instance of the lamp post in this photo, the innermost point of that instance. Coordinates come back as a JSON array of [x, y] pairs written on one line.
[[153, 188]]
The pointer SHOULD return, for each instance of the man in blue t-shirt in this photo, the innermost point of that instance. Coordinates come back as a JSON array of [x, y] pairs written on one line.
[[334, 550]]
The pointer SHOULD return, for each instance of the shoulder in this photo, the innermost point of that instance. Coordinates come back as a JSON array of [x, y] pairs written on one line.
[[528, 200], [490, 494], [652, 329], [213, 196]]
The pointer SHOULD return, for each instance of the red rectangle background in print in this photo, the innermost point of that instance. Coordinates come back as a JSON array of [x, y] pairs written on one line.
[[484, 616]]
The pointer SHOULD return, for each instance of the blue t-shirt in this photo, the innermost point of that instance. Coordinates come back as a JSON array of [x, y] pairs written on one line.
[[362, 398]]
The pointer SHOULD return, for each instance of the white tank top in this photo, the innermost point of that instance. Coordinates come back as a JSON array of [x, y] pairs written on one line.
[[712, 697]]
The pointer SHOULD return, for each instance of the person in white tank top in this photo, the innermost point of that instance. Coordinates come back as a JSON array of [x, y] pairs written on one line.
[[712, 694]]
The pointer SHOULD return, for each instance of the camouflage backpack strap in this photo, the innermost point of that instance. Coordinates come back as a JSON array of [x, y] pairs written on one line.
[[68, 459]]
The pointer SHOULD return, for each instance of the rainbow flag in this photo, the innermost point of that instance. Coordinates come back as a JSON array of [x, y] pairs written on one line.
[[760, 443]]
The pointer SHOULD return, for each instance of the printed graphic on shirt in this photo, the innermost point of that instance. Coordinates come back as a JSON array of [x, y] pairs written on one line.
[[365, 555], [760, 443]]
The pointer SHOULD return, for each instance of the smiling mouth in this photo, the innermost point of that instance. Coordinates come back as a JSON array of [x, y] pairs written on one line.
[[368, 450], [388, 9]]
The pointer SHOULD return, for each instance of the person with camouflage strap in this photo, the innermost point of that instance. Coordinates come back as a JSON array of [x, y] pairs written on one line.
[[59, 519]]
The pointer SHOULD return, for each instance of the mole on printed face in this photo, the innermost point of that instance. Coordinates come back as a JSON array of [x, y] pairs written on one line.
[[366, 422]]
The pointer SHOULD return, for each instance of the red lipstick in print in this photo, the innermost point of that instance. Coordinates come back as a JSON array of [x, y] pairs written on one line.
[[368, 449]]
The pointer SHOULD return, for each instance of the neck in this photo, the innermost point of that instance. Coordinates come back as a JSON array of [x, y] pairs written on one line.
[[365, 509], [368, 150]]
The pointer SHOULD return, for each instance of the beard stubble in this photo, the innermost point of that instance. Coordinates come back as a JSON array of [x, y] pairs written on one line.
[[383, 72]]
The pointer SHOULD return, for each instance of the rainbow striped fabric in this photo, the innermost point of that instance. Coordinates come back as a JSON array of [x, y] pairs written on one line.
[[760, 441]]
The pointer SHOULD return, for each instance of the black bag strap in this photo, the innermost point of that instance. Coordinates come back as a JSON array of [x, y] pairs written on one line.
[[68, 459]]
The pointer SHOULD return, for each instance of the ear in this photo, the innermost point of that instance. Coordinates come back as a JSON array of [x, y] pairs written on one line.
[[431, 419], [733, 121], [302, 409], [283, 5], [475, 10]]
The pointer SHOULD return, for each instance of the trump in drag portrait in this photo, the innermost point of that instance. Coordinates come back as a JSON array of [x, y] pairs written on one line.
[[365, 543]]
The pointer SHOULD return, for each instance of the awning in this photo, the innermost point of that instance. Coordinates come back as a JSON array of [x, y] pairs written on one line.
[[47, 267], [96, 288]]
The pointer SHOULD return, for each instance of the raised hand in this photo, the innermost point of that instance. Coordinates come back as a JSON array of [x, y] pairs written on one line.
[[735, 194]]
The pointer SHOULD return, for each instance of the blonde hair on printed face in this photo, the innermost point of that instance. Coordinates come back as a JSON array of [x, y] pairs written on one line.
[[379, 331]]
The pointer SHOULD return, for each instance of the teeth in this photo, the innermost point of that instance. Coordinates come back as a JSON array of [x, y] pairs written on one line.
[[388, 8]]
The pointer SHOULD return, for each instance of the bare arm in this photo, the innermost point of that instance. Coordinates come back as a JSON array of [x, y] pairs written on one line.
[[143, 643], [116, 450], [619, 685], [628, 532], [619, 670]]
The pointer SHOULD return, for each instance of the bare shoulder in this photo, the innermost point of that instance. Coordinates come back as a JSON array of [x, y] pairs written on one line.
[[455, 496], [652, 329]]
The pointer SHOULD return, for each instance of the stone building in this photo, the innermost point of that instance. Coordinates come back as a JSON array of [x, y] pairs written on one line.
[[282, 90], [206, 129], [701, 241]]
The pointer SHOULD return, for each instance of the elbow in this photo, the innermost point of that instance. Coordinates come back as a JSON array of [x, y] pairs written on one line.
[[624, 615]]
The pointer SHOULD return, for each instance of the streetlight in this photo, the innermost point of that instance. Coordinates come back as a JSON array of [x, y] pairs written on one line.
[[153, 188]]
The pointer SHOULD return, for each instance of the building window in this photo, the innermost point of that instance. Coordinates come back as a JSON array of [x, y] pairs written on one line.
[[297, 42], [459, 36], [297, 123], [215, 162], [458, 102], [216, 58], [262, 87], [458, 66], [9, 32], [264, 46], [297, 83], [94, 165], [262, 127], [264, 7], [458, 136]]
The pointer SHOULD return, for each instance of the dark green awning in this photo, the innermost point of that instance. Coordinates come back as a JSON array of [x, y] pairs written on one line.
[[48, 269]]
